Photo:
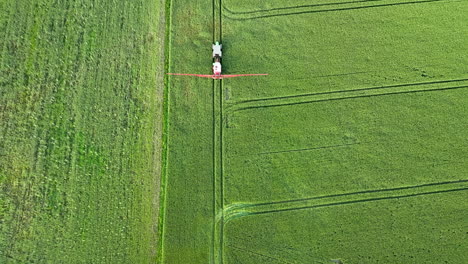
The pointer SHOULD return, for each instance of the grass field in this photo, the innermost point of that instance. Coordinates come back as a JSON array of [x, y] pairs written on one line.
[[352, 150], [80, 110], [424, 229]]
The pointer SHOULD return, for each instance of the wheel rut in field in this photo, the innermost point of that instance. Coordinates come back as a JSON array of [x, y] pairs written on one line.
[[308, 149], [165, 129], [229, 11], [218, 177], [354, 90], [318, 8], [245, 209], [399, 89], [218, 184]]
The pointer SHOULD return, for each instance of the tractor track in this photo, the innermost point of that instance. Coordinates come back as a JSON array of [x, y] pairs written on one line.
[[213, 257], [218, 181], [240, 210], [214, 181], [349, 91], [233, 17], [213, 142], [307, 149], [220, 10], [165, 130], [221, 145], [295, 7], [359, 201], [221, 167], [350, 97], [363, 192], [218, 184]]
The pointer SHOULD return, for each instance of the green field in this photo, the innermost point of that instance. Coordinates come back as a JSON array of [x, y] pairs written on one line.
[[188, 202], [80, 109], [352, 150]]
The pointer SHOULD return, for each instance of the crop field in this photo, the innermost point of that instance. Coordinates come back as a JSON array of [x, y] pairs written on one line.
[[352, 150], [80, 108]]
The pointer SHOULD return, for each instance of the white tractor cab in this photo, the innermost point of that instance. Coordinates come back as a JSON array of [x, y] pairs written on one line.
[[217, 54], [217, 50]]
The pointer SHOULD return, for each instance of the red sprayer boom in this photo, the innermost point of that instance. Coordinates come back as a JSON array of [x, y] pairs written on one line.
[[217, 54]]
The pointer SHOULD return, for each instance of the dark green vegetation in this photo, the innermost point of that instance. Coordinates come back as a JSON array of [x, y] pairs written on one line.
[[80, 105], [353, 150]]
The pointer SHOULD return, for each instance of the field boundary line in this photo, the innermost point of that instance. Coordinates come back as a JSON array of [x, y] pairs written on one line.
[[240, 210], [244, 16]]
